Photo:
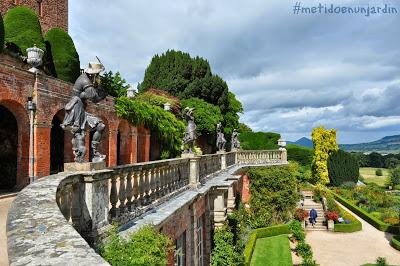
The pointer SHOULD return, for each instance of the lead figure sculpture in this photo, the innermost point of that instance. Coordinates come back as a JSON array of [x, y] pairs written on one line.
[[221, 141], [235, 140], [190, 134], [76, 118]]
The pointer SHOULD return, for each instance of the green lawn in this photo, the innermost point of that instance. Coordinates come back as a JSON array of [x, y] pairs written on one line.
[[272, 251], [370, 177]]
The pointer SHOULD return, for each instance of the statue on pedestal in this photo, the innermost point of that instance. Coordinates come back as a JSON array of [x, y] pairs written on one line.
[[221, 141], [190, 134], [76, 118], [235, 140]]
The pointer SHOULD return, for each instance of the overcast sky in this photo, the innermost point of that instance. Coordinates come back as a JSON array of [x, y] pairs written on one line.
[[291, 72]]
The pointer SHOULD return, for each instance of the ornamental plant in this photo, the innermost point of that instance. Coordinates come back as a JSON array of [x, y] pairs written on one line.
[[22, 29], [300, 214], [62, 55], [332, 215], [342, 168], [324, 143], [224, 252]]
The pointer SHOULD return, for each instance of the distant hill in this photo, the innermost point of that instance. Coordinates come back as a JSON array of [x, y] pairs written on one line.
[[389, 144], [305, 142]]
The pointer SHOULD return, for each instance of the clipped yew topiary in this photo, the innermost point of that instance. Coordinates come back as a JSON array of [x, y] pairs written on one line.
[[1, 34], [62, 53], [22, 29], [342, 167]]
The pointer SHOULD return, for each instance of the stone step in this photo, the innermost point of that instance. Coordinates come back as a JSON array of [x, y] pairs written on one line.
[[316, 229]]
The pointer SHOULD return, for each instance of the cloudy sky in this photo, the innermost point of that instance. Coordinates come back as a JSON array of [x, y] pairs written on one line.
[[291, 72]]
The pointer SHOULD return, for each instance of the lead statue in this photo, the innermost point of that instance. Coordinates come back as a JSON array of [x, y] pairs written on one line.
[[221, 141], [76, 118], [190, 134], [235, 140]]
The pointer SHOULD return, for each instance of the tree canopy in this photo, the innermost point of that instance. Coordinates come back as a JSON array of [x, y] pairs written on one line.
[[22, 29], [62, 54]]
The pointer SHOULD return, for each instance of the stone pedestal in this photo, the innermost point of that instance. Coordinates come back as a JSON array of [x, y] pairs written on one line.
[[223, 160], [194, 172], [87, 166], [283, 154], [331, 225]]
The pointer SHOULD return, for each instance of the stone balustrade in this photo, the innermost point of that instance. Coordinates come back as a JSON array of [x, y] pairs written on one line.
[[46, 217]]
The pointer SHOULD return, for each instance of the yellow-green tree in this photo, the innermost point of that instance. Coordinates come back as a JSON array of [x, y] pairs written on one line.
[[324, 143]]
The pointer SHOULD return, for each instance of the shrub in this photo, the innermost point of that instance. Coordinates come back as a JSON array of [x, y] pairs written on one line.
[[159, 98], [302, 155], [380, 261], [395, 242], [379, 172], [224, 252], [62, 53], [300, 215], [324, 143], [145, 247], [1, 34], [273, 195], [304, 250], [297, 231], [342, 167], [348, 185], [259, 140], [22, 29], [332, 215], [394, 177]]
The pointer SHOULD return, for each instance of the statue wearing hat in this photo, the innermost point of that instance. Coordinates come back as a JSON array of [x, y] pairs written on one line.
[[76, 118]]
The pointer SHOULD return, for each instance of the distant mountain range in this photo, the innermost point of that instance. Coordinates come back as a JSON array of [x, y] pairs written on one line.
[[388, 144]]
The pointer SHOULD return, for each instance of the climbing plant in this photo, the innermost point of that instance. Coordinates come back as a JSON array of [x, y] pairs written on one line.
[[324, 143], [168, 128]]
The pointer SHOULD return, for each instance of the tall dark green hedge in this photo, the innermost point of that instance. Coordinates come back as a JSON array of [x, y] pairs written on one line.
[[62, 53], [1, 34], [302, 155], [22, 29], [259, 140], [342, 167]]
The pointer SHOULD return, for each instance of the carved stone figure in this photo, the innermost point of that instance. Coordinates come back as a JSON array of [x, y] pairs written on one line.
[[221, 141], [235, 140], [190, 134], [76, 118]]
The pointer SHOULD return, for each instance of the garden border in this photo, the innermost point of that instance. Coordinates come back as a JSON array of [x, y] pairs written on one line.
[[262, 233], [354, 226]]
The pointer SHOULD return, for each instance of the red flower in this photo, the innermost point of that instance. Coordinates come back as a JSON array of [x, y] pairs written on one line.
[[332, 215]]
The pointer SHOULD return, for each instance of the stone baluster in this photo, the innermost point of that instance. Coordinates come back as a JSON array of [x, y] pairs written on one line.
[[122, 192], [113, 196], [152, 181], [147, 176], [162, 181], [174, 178], [129, 190], [135, 177], [141, 187]]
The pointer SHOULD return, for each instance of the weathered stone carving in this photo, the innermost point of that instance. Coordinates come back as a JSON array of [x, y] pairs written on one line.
[[190, 134], [221, 141], [235, 140], [76, 118]]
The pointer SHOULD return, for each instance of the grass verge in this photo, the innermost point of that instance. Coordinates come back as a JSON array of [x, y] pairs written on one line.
[[272, 251]]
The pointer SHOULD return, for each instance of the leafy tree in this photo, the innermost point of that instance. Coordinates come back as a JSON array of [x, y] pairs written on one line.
[[224, 252], [391, 162], [1, 34], [22, 30], [362, 159], [206, 115], [145, 247], [114, 84], [302, 155], [324, 143], [273, 195], [62, 54], [394, 177], [376, 160], [243, 128], [342, 168], [231, 117], [259, 140]]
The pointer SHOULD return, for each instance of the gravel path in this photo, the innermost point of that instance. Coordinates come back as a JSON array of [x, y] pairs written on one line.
[[4, 206], [352, 249]]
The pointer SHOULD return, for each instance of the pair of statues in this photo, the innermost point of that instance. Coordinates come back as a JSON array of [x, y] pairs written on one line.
[[76, 118], [221, 141]]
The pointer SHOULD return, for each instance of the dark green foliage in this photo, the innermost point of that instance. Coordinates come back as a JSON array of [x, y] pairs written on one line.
[[169, 129], [394, 177], [391, 162], [376, 160], [22, 29], [259, 140], [114, 84], [273, 195], [206, 115], [395, 242], [224, 252], [297, 230], [381, 261], [145, 247], [261, 233], [62, 53], [362, 159], [379, 172], [342, 167], [302, 155], [244, 128], [1, 34]]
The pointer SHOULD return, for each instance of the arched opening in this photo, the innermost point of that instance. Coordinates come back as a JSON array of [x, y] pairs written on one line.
[[56, 145], [155, 148], [8, 148]]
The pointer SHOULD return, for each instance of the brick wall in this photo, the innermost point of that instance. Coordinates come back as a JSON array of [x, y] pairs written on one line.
[[53, 13]]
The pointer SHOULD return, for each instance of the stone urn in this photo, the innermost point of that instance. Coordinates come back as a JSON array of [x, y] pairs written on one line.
[[35, 55], [331, 225]]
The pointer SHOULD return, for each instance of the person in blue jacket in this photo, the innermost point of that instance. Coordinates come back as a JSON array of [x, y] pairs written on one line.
[[313, 216]]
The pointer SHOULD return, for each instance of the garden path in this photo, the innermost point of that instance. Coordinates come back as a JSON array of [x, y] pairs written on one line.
[[5, 204], [352, 249]]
